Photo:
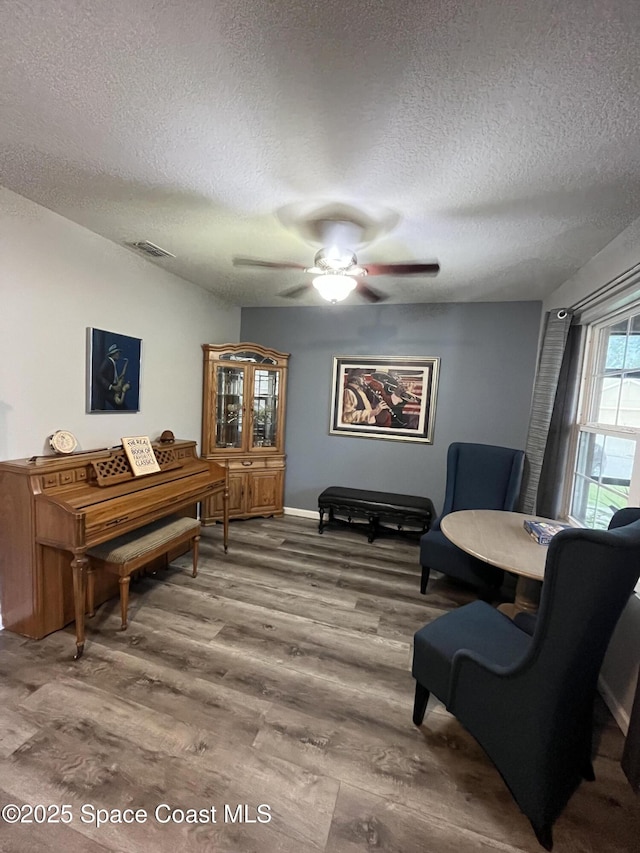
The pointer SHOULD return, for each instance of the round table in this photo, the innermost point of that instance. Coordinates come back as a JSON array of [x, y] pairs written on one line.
[[499, 538]]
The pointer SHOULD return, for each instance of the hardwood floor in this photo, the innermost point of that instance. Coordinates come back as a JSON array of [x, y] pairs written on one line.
[[280, 676]]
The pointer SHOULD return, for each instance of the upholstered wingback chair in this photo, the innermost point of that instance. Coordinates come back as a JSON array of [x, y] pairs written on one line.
[[479, 476], [528, 698]]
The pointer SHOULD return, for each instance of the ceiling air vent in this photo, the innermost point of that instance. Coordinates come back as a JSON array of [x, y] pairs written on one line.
[[151, 249]]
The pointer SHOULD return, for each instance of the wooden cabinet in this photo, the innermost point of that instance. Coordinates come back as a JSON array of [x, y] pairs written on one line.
[[243, 413]]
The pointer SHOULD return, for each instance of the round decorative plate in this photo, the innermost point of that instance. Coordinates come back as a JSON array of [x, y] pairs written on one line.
[[63, 441]]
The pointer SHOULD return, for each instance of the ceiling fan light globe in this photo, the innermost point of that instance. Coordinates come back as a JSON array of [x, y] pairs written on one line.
[[339, 259], [335, 260], [334, 288]]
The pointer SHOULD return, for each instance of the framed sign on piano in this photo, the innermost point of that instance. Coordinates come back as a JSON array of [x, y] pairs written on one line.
[[113, 368]]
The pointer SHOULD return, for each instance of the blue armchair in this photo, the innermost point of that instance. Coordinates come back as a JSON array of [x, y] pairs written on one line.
[[528, 698], [479, 476]]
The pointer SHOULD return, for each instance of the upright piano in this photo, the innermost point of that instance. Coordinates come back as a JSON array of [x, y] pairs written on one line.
[[54, 508]]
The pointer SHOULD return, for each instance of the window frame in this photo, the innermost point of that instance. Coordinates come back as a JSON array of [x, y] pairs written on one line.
[[589, 381]]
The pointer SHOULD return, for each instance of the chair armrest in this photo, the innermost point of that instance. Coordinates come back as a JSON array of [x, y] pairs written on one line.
[[473, 677]]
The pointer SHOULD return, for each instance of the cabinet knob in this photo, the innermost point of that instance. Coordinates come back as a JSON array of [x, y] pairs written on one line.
[[246, 464]]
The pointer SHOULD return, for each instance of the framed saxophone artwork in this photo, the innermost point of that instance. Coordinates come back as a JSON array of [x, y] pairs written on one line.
[[385, 397], [113, 372]]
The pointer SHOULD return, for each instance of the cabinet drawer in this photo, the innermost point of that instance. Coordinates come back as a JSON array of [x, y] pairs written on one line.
[[258, 463]]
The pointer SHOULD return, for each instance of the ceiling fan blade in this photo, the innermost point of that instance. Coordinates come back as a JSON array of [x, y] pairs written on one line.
[[369, 293], [274, 265], [294, 292], [401, 269]]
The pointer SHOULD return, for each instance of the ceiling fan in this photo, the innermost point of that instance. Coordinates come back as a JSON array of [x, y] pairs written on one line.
[[338, 273]]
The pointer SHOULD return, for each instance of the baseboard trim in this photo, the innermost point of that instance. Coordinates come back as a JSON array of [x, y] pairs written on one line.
[[618, 712], [301, 513]]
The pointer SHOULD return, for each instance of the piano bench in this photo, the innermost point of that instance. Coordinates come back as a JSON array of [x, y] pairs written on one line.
[[132, 551]]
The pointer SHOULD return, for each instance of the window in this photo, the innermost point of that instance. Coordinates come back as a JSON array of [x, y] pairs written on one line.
[[606, 474]]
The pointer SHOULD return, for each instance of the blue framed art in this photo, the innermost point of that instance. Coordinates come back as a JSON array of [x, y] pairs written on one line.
[[113, 372]]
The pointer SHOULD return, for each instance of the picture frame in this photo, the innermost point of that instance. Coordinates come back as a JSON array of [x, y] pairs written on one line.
[[113, 372], [391, 397]]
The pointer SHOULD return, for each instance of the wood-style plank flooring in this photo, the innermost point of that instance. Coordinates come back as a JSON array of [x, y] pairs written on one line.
[[280, 676]]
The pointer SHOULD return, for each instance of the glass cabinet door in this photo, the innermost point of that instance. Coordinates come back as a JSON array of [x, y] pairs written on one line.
[[265, 407], [229, 406]]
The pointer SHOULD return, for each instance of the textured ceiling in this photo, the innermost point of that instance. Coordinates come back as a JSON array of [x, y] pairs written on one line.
[[498, 137]]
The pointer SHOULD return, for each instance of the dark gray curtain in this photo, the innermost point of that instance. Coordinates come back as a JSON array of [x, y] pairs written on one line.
[[549, 502], [544, 396]]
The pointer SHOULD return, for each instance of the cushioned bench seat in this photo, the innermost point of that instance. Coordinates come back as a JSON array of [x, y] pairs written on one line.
[[131, 551], [378, 508]]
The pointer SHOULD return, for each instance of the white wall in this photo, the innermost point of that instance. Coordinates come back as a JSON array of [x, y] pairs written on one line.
[[620, 669], [57, 279]]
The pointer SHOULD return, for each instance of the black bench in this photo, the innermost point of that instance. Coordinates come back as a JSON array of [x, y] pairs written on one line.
[[378, 508]]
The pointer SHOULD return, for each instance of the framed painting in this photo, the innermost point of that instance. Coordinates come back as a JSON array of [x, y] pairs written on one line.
[[113, 372], [385, 397]]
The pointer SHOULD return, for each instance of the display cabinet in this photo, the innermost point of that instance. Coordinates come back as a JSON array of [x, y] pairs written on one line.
[[243, 413]]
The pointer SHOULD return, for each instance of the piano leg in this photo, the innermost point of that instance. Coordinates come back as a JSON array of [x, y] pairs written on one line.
[[124, 600], [79, 569], [195, 547], [91, 591]]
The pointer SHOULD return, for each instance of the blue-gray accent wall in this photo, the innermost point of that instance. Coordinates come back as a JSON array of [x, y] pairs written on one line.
[[487, 357]]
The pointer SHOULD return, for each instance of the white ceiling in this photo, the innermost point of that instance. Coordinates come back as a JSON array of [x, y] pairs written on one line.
[[498, 137]]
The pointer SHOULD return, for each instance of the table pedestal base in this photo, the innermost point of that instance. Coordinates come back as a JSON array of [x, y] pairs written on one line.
[[527, 598]]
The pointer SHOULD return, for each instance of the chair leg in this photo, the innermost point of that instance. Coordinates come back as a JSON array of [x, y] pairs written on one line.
[[544, 836], [373, 528], [424, 580], [586, 767], [489, 594], [420, 703], [587, 772]]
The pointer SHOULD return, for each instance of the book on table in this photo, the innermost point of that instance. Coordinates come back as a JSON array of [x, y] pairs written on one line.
[[544, 531]]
